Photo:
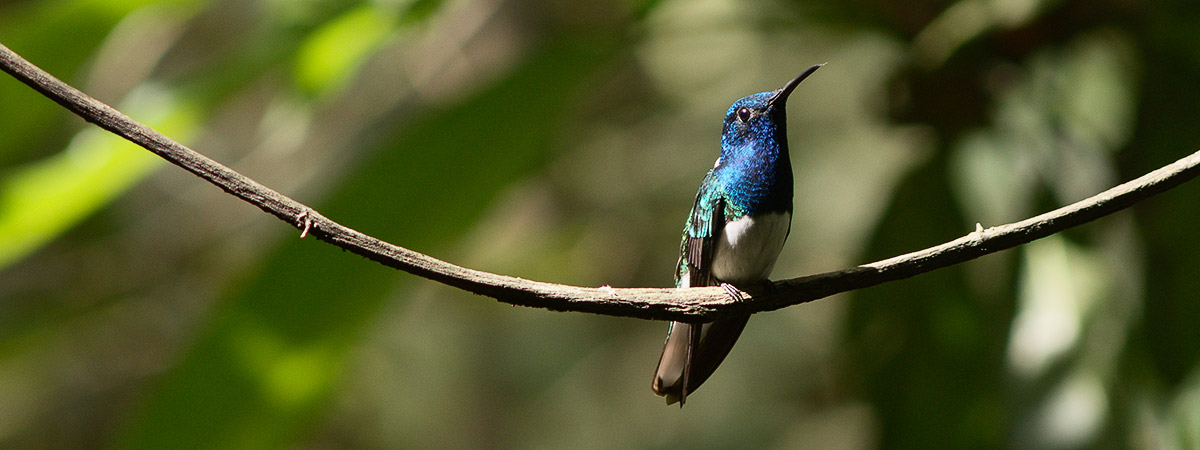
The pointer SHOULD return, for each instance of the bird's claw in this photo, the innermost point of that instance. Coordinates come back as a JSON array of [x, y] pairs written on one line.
[[733, 291]]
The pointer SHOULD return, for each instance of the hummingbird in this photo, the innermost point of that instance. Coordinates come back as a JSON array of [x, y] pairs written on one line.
[[737, 226]]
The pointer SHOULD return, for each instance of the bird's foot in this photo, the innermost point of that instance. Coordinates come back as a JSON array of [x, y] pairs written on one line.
[[733, 291]]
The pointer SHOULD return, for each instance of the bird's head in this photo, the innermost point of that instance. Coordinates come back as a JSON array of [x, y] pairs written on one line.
[[758, 122]]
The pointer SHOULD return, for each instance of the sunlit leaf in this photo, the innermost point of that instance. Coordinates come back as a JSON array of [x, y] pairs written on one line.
[[45, 198], [333, 52]]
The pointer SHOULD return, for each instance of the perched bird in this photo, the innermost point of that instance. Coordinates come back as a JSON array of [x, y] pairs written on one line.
[[742, 215]]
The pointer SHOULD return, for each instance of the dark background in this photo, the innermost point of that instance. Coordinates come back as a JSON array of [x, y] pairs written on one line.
[[563, 141]]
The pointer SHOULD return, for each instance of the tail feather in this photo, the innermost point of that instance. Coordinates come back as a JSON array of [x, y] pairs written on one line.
[[692, 354]]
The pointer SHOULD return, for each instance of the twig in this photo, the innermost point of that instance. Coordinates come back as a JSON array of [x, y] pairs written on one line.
[[691, 304]]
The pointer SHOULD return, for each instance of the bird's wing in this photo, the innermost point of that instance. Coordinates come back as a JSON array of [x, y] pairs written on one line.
[[700, 237], [686, 362]]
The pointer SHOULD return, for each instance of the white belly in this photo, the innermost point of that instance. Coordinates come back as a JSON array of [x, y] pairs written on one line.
[[747, 249]]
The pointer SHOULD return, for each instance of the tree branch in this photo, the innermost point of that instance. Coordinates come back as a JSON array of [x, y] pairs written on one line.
[[693, 304]]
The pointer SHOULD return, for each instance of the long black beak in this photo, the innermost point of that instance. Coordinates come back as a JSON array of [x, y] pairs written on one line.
[[781, 95]]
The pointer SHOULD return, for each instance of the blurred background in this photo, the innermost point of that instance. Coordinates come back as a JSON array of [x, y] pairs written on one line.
[[564, 141]]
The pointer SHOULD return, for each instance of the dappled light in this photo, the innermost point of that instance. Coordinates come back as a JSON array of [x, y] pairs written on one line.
[[563, 142]]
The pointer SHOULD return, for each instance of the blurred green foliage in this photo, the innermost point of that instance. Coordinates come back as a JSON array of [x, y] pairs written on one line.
[[563, 141]]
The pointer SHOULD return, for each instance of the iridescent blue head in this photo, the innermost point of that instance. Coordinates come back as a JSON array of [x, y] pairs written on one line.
[[754, 166]]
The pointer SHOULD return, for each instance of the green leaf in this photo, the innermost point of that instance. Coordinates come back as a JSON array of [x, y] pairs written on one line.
[[334, 51], [40, 200]]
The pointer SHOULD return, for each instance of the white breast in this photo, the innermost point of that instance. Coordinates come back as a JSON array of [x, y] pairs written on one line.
[[748, 247]]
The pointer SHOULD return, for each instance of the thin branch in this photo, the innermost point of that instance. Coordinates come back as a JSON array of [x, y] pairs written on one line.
[[691, 304]]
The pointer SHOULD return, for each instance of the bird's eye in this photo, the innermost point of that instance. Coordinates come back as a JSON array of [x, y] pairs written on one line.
[[743, 114]]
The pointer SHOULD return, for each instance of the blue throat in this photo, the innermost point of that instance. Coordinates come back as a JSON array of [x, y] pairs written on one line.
[[755, 170], [758, 184]]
